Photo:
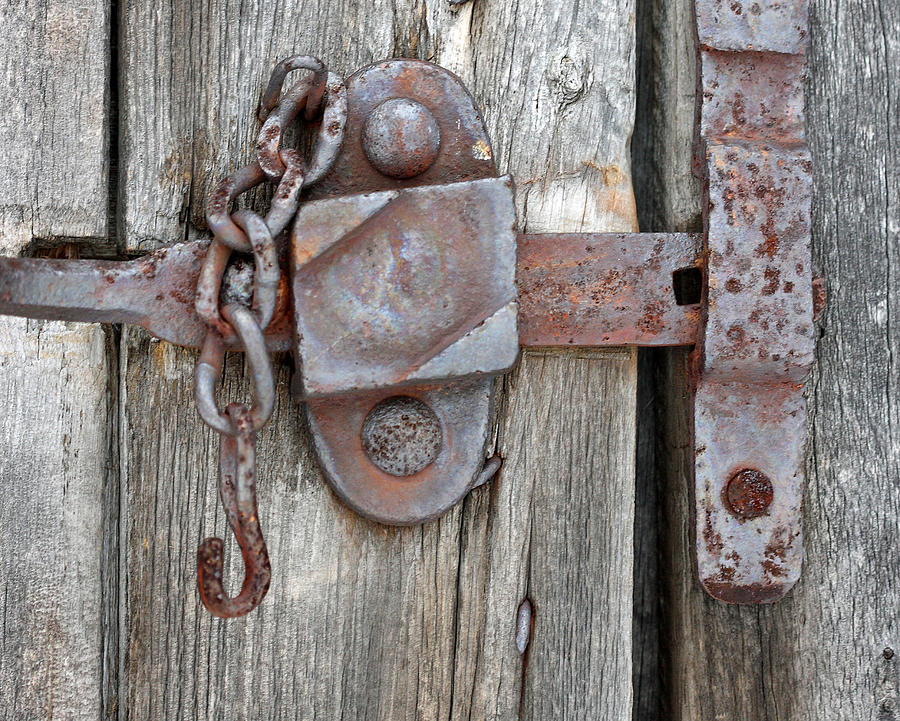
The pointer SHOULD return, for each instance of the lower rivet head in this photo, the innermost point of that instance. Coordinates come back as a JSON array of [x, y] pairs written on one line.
[[402, 436], [749, 493], [401, 138]]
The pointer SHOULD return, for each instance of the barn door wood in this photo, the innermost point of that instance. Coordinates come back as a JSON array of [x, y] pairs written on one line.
[[116, 123], [365, 621], [57, 428]]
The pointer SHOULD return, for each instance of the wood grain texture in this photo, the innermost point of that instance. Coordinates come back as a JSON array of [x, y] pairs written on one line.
[[191, 79], [365, 621], [565, 508], [54, 439], [549, 77], [360, 617], [54, 432], [54, 82], [555, 82], [829, 649]]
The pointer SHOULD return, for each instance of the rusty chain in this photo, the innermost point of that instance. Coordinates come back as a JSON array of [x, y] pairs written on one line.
[[236, 310]]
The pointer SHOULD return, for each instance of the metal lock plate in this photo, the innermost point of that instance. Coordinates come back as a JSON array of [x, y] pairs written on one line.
[[404, 281]]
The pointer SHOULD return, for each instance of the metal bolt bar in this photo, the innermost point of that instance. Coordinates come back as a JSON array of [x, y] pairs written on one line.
[[606, 289], [600, 289]]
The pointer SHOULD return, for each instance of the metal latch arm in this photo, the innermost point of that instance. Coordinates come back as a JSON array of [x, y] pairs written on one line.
[[575, 289]]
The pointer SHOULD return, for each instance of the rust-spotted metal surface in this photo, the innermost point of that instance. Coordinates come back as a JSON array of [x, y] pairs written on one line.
[[575, 289], [337, 424], [403, 281], [602, 289], [237, 490], [759, 305], [402, 286], [758, 335], [465, 149], [155, 292], [777, 26]]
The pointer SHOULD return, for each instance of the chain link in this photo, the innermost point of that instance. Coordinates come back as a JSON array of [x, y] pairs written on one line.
[[233, 318], [208, 371]]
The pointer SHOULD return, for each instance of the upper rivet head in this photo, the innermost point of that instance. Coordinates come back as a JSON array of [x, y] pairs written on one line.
[[401, 138]]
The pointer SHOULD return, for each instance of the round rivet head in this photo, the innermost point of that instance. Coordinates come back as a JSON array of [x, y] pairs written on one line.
[[749, 493], [402, 436], [401, 138]]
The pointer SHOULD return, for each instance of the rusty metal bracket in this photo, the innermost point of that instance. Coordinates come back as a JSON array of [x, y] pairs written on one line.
[[404, 291], [758, 335]]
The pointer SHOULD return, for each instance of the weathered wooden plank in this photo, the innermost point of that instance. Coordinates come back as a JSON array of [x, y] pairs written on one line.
[[54, 439], [829, 649], [365, 621], [556, 85], [560, 536], [54, 149], [191, 79], [359, 619], [54, 431]]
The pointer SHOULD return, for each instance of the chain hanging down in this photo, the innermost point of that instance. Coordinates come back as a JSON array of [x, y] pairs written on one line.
[[233, 314]]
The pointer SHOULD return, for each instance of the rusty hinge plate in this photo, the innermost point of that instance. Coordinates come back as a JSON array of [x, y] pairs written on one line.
[[758, 334]]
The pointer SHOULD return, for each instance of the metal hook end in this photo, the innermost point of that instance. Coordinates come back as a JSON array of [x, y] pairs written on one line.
[[491, 467], [237, 490]]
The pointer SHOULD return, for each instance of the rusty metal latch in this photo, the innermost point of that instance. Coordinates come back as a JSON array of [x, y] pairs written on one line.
[[403, 290]]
